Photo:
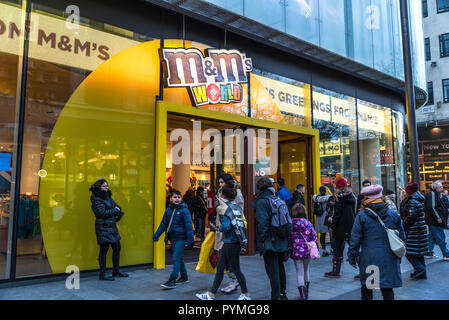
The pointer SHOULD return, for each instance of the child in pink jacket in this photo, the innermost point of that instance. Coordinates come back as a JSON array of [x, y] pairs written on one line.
[[302, 231]]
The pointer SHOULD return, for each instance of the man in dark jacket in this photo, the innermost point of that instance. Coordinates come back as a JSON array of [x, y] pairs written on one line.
[[298, 194], [365, 183], [412, 214], [106, 212], [341, 224], [270, 246], [199, 209], [436, 219]]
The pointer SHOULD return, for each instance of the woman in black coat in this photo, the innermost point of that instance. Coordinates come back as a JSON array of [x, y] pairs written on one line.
[[412, 214], [107, 212], [341, 224]]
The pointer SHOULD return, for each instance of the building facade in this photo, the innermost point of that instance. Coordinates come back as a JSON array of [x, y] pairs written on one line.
[[433, 117], [108, 90]]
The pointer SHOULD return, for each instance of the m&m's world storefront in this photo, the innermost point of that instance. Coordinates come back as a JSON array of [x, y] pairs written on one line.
[[151, 99]]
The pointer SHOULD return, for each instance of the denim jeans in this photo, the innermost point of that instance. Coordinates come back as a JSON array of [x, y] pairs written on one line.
[[200, 227], [178, 258], [417, 262], [437, 234]]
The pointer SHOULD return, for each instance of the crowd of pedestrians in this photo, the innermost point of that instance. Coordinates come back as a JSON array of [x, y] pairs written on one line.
[[378, 231]]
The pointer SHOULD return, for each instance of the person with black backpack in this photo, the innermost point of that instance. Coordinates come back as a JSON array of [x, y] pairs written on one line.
[[273, 228], [232, 226], [320, 210]]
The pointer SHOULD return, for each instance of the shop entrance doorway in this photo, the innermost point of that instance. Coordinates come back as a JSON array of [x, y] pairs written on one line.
[[195, 146]]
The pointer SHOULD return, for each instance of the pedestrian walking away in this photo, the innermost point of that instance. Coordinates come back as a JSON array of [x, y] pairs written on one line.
[[199, 208], [284, 194], [302, 234], [273, 246], [436, 216], [370, 236], [390, 199], [177, 225], [107, 214], [321, 204], [365, 183], [224, 179], [231, 225], [341, 224], [412, 214], [298, 194]]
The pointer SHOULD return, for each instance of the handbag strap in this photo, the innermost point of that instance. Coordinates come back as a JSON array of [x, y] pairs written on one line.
[[378, 218], [171, 219]]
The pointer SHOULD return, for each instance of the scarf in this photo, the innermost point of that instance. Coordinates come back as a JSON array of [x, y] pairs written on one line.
[[366, 202]]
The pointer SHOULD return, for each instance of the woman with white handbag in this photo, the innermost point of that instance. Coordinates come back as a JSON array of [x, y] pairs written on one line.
[[379, 232]]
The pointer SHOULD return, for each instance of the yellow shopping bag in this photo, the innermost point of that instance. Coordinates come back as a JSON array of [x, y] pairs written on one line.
[[207, 248]]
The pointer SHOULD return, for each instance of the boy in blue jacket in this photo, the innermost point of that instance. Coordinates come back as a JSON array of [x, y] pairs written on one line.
[[177, 223]]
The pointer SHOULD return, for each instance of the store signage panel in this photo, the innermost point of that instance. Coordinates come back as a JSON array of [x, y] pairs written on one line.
[[51, 40], [341, 111], [321, 106], [371, 118], [288, 97], [210, 78]]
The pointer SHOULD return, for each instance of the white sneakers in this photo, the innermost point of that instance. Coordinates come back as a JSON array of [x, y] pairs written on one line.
[[204, 296], [431, 257], [445, 258], [230, 287]]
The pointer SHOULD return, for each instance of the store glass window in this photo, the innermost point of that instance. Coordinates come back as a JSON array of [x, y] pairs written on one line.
[[442, 6], [332, 27], [302, 20], [445, 90], [89, 114], [427, 48], [231, 5], [444, 45], [360, 35], [430, 93], [279, 99], [380, 14], [274, 17], [399, 152], [334, 116], [376, 149], [11, 18]]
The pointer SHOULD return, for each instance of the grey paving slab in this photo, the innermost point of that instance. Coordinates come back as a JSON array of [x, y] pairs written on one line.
[[144, 284]]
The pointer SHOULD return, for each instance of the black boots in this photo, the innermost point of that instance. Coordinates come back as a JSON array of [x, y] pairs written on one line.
[[307, 289], [336, 266], [302, 292], [421, 274], [119, 274], [103, 276]]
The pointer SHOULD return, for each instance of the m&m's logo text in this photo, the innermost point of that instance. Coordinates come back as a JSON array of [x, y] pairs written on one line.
[[215, 77]]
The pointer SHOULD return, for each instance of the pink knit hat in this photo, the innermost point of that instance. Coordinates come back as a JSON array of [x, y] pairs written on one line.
[[372, 192]]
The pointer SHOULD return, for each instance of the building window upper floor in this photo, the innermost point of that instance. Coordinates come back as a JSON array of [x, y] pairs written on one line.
[[430, 93], [442, 6], [427, 48], [444, 45], [446, 90]]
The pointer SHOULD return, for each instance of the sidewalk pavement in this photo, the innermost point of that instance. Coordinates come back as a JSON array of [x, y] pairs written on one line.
[[144, 284]]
